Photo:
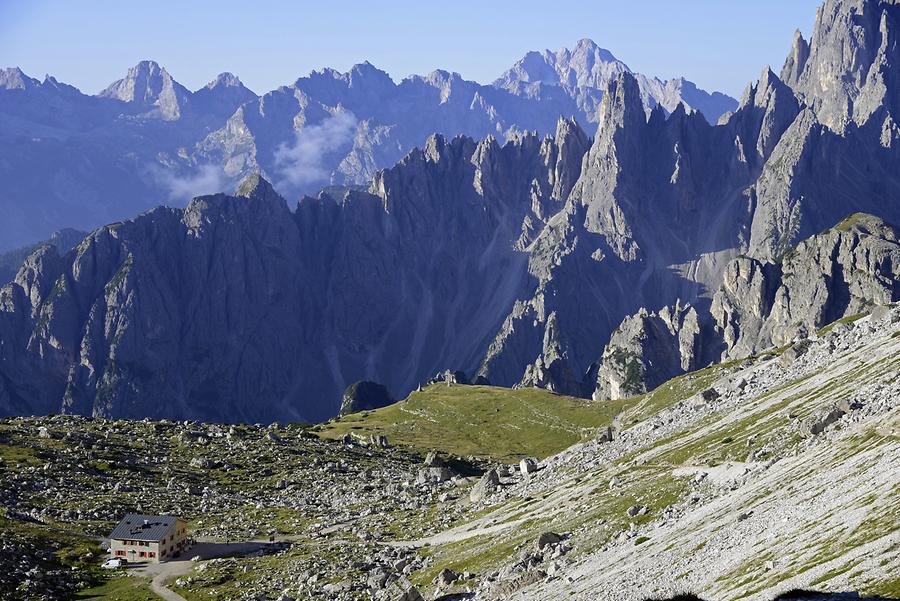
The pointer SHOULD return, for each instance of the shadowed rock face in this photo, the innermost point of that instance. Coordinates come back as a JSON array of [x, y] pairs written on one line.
[[235, 308], [661, 206], [363, 396]]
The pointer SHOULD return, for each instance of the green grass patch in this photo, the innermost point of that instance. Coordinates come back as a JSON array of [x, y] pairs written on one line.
[[824, 331], [123, 588], [482, 421]]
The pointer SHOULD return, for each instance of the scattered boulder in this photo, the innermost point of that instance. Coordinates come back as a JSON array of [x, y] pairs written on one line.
[[547, 539], [796, 351], [485, 486], [433, 460], [446, 578], [528, 466], [709, 395], [885, 314], [704, 398], [434, 475], [819, 423], [379, 441], [847, 406], [636, 510], [606, 435], [401, 590], [739, 384], [203, 463]]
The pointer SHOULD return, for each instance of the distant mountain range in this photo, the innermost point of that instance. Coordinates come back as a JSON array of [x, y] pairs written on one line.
[[75, 160], [587, 265]]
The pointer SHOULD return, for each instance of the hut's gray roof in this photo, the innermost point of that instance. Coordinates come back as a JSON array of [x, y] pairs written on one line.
[[135, 526]]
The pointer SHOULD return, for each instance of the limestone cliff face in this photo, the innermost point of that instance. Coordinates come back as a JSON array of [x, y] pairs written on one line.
[[661, 205], [841, 272], [845, 73], [665, 203], [836, 157]]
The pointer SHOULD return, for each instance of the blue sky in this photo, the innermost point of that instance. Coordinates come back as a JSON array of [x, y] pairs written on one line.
[[719, 44]]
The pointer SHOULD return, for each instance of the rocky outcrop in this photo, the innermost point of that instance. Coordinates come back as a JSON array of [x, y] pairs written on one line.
[[648, 349], [842, 272], [552, 369], [630, 236], [364, 396], [63, 240], [836, 156], [653, 218]]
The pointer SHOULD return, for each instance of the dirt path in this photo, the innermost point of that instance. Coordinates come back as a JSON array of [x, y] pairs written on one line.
[[457, 534], [162, 573]]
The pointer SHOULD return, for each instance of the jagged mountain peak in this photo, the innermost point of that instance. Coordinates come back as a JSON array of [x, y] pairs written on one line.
[[150, 87], [225, 80], [586, 65], [362, 78], [757, 93], [143, 70], [13, 78], [588, 53], [622, 101], [255, 186], [220, 98], [843, 72], [589, 45], [442, 78], [145, 66], [367, 73], [566, 127], [586, 71], [796, 60]]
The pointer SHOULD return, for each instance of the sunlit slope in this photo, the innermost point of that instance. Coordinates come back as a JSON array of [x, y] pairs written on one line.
[[484, 421]]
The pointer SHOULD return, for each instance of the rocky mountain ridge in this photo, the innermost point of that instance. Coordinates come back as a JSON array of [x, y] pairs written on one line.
[[514, 262], [77, 160]]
